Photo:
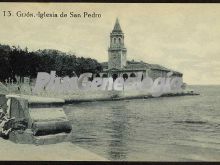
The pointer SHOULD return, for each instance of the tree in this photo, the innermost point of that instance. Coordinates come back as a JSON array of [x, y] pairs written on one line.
[[15, 61]]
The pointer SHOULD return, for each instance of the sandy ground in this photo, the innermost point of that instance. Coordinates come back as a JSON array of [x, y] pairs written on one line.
[[65, 151]]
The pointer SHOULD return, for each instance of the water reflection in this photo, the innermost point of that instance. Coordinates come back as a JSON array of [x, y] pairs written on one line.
[[152, 130], [119, 130]]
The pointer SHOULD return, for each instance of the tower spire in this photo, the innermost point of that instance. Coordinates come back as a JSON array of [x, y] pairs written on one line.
[[117, 27], [117, 51]]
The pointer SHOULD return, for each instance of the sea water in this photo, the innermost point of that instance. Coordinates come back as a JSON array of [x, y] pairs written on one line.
[[185, 128]]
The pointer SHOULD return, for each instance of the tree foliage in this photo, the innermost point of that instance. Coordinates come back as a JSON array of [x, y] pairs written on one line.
[[21, 62]]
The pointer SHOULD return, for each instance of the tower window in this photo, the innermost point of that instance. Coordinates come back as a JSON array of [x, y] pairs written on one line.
[[114, 40], [119, 40]]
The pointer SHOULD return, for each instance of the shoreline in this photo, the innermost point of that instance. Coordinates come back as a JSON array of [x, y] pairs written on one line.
[[118, 98], [65, 151], [35, 100]]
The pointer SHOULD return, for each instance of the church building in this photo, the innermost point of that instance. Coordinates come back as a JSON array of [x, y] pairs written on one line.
[[119, 66]]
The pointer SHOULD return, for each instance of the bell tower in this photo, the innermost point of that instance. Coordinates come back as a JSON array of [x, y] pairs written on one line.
[[117, 51]]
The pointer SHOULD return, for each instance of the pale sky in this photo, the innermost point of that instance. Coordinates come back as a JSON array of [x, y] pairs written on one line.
[[183, 37]]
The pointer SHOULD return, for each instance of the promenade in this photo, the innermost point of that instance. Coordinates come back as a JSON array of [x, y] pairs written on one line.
[[65, 151]]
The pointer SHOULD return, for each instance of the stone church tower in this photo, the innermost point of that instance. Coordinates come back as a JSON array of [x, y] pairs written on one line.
[[117, 51], [118, 66]]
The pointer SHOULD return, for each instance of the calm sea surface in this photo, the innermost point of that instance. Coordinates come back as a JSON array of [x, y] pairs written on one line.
[[161, 129]]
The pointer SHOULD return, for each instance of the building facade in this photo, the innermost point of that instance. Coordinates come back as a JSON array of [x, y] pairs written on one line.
[[118, 66]]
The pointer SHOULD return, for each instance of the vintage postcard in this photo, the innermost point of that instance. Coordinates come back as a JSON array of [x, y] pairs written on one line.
[[109, 82]]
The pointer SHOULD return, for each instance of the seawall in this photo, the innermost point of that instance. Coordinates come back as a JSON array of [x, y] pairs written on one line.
[[121, 97], [57, 146]]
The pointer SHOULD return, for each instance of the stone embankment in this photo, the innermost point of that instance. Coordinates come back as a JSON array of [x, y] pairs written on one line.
[[45, 123], [119, 96]]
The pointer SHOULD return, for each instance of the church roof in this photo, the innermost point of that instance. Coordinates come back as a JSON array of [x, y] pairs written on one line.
[[117, 27], [137, 65]]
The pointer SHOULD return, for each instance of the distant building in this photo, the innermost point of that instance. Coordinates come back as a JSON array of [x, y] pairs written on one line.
[[118, 66]]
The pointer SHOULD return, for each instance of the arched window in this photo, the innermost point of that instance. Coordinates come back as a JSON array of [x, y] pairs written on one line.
[[125, 76], [119, 40], [114, 76], [132, 75], [114, 40]]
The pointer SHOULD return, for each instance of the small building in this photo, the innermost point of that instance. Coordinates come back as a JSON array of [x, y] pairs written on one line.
[[118, 66]]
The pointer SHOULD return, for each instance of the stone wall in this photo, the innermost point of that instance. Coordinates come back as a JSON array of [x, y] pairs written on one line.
[[38, 121]]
